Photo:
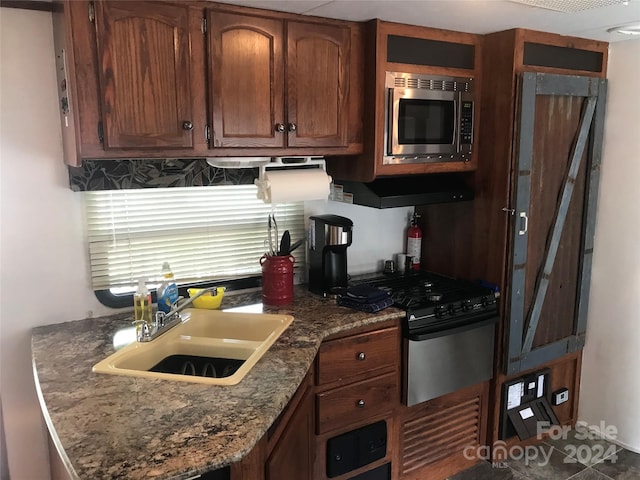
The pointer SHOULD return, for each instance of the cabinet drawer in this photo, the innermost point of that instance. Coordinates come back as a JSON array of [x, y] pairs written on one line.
[[357, 402], [358, 354]]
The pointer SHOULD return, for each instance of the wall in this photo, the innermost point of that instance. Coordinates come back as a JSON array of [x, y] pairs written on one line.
[[610, 387], [377, 233], [44, 274]]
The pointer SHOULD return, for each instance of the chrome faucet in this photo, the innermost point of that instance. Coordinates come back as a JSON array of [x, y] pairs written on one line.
[[165, 321]]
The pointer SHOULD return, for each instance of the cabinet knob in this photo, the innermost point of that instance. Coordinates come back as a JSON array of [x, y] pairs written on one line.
[[292, 127], [360, 403], [280, 127], [187, 125], [361, 356]]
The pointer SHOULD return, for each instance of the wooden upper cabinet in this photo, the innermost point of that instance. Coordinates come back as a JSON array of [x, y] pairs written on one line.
[[246, 73], [317, 84], [144, 75], [254, 105], [159, 79]]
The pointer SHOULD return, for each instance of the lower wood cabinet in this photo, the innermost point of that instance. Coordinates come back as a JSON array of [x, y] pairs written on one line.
[[287, 449], [357, 385], [436, 434], [293, 454], [336, 407], [356, 403], [358, 355]]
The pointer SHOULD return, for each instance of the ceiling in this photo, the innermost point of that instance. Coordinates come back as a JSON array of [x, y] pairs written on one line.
[[580, 18]]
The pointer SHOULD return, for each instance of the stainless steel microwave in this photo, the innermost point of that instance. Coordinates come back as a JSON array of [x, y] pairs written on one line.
[[428, 118]]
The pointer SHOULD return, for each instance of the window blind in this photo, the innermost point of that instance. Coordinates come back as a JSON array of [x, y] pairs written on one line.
[[205, 233]]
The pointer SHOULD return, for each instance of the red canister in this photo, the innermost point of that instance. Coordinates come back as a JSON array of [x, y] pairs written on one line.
[[277, 279]]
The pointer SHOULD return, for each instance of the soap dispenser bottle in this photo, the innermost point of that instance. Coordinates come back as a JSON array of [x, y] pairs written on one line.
[[167, 291], [141, 305]]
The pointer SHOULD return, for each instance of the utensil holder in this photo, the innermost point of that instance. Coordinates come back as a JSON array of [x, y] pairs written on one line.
[[277, 279]]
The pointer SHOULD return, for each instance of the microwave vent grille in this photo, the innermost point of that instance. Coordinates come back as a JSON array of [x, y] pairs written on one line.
[[432, 84]]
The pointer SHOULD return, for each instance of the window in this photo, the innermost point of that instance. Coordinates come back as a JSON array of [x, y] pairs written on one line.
[[205, 233]]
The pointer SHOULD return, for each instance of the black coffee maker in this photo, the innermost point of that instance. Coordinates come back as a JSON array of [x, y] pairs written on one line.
[[329, 237]]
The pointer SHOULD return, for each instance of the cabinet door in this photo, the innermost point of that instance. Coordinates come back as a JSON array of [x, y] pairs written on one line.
[[292, 457], [317, 85], [144, 75], [556, 174], [247, 80]]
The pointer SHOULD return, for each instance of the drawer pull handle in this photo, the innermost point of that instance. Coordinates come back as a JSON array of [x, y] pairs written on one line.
[[361, 356], [361, 403]]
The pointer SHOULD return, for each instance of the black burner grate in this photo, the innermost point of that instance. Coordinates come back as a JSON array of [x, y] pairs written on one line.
[[435, 301]]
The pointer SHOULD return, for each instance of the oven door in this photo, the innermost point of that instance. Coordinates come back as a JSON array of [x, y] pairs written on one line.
[[422, 122], [448, 360]]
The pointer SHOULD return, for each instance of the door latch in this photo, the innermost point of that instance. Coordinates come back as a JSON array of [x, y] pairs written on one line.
[[524, 222]]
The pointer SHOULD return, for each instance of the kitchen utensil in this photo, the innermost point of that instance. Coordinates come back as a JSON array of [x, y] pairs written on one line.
[[275, 231], [272, 235], [296, 245], [285, 243]]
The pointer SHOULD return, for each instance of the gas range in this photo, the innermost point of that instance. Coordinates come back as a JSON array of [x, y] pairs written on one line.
[[436, 304]]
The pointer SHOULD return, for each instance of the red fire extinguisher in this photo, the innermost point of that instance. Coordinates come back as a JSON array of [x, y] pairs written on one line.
[[414, 242]]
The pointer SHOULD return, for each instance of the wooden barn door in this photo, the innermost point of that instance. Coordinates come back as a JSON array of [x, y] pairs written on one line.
[[555, 187]]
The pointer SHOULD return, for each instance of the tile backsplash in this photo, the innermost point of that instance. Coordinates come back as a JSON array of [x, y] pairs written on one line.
[[129, 174]]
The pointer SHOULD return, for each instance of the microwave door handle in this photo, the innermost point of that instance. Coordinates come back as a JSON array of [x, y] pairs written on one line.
[[456, 123], [394, 141], [390, 131]]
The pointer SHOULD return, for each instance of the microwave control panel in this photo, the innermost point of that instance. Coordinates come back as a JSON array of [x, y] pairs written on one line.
[[466, 122]]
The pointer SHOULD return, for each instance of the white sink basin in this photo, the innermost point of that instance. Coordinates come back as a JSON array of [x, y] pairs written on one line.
[[227, 343]]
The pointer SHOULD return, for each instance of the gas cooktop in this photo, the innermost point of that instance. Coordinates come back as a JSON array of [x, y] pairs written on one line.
[[434, 302]]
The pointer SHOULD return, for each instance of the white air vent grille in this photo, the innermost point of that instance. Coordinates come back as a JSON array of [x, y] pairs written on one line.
[[569, 5], [432, 84]]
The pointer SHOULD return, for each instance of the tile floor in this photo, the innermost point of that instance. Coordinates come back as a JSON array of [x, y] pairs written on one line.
[[570, 458]]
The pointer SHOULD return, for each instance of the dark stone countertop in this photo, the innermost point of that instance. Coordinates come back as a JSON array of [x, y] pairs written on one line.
[[112, 426]]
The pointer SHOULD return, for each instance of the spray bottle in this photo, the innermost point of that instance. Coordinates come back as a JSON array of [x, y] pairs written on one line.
[[167, 291]]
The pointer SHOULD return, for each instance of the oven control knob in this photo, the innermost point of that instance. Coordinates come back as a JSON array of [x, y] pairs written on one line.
[[487, 301], [441, 312], [434, 297], [466, 305]]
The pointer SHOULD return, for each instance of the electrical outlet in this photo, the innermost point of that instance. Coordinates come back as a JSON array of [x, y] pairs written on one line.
[[560, 396]]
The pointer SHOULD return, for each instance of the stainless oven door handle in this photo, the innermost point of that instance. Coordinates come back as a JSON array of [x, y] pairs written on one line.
[[418, 337]]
